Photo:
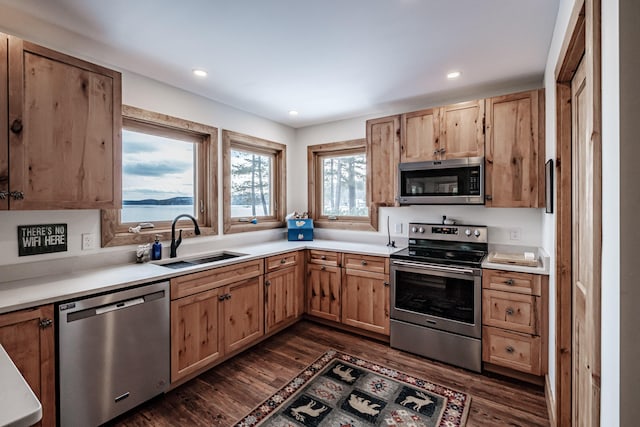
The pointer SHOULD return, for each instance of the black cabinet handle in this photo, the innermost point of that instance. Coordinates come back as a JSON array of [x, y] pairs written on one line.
[[510, 349], [509, 311], [16, 126], [267, 283], [17, 195]]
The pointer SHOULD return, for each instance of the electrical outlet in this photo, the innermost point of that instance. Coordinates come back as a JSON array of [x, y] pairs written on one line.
[[515, 233], [398, 229], [88, 241]]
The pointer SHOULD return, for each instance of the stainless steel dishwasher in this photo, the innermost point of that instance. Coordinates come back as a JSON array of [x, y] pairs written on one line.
[[113, 353]]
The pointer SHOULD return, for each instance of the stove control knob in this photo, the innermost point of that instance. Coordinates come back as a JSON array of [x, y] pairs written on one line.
[[476, 233], [414, 229], [421, 230], [467, 232]]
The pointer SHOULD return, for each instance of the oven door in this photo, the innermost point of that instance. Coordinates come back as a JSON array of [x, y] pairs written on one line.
[[437, 296]]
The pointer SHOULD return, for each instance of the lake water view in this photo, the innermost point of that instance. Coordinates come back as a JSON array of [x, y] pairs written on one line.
[[150, 213]]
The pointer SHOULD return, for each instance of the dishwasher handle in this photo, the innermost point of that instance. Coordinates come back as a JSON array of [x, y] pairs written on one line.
[[119, 305]]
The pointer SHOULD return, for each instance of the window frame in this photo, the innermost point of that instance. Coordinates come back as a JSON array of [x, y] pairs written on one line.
[[116, 233], [233, 140], [315, 156]]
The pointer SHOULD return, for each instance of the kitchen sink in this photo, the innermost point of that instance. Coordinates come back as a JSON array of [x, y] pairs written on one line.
[[176, 265]]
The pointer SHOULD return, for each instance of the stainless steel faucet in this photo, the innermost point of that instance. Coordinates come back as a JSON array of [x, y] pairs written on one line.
[[175, 243]]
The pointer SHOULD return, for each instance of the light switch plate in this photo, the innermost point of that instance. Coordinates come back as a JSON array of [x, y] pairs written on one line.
[[398, 228]]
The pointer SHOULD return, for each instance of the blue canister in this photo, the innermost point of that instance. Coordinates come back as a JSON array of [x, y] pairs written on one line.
[[156, 249]]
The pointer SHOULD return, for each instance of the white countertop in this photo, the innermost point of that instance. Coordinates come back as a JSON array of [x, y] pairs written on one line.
[[26, 293], [19, 406]]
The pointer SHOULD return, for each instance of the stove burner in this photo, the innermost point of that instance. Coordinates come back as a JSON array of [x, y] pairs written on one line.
[[457, 246]]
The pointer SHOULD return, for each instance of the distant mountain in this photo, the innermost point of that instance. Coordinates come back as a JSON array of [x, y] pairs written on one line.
[[163, 202]]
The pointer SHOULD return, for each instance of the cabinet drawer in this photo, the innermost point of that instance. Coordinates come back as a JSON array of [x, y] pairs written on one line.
[[508, 281], [512, 350], [281, 261], [324, 257], [516, 312], [197, 282], [366, 262]]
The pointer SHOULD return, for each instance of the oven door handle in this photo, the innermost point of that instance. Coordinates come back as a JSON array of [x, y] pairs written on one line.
[[434, 267]]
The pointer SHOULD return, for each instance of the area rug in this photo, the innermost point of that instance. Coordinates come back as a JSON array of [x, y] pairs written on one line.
[[345, 391]]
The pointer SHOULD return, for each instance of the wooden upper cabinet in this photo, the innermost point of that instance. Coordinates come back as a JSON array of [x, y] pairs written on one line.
[[420, 135], [383, 156], [65, 125], [462, 130], [514, 173], [28, 337], [4, 124]]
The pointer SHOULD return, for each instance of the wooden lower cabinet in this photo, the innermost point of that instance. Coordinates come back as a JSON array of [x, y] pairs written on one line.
[[29, 339], [243, 308], [323, 291], [223, 317], [514, 322], [365, 300], [283, 302]]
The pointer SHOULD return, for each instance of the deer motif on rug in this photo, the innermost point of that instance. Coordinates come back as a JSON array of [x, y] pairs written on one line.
[[308, 409], [364, 406], [417, 401], [344, 373]]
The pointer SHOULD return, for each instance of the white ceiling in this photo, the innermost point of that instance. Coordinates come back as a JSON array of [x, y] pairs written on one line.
[[327, 59]]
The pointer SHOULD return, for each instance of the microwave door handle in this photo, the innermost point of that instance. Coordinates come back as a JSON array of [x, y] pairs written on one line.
[[434, 267]]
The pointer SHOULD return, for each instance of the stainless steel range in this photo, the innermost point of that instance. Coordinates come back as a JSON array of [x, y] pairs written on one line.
[[436, 293]]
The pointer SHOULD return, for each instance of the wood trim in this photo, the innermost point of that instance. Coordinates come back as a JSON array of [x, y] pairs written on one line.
[[542, 149], [551, 404], [4, 121], [583, 38], [573, 45], [249, 143], [115, 233], [315, 154]]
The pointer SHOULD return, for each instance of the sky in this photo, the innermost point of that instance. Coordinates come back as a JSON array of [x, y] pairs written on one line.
[[156, 167]]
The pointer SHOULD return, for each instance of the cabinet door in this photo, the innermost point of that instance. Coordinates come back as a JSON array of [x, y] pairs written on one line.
[[323, 291], [4, 127], [28, 338], [195, 332], [462, 130], [383, 155], [282, 295], [515, 149], [65, 130], [365, 300], [420, 136], [243, 313]]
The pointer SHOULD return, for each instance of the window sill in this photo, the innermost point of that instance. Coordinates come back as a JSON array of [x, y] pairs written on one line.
[[363, 225], [241, 227]]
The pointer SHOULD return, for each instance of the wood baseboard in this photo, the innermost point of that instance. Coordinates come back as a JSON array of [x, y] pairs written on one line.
[[551, 402]]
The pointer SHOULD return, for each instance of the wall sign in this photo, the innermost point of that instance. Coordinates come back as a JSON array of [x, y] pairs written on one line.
[[42, 239]]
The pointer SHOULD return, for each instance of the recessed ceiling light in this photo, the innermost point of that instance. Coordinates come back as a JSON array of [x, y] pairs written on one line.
[[453, 75], [199, 72], [293, 113]]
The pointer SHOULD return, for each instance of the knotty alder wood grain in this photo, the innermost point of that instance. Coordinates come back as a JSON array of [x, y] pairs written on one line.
[[420, 132], [462, 130], [67, 154], [323, 291], [224, 394], [515, 149]]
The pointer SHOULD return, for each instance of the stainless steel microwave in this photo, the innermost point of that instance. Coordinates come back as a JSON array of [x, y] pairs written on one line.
[[442, 182]]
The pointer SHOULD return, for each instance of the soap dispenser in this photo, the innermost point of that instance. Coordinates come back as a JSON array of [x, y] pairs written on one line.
[[156, 249]]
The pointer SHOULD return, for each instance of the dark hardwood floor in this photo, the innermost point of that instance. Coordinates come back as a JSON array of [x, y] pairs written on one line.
[[224, 394]]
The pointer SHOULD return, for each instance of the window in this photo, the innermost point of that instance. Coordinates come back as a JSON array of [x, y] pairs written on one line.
[[338, 185], [254, 183], [167, 166]]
